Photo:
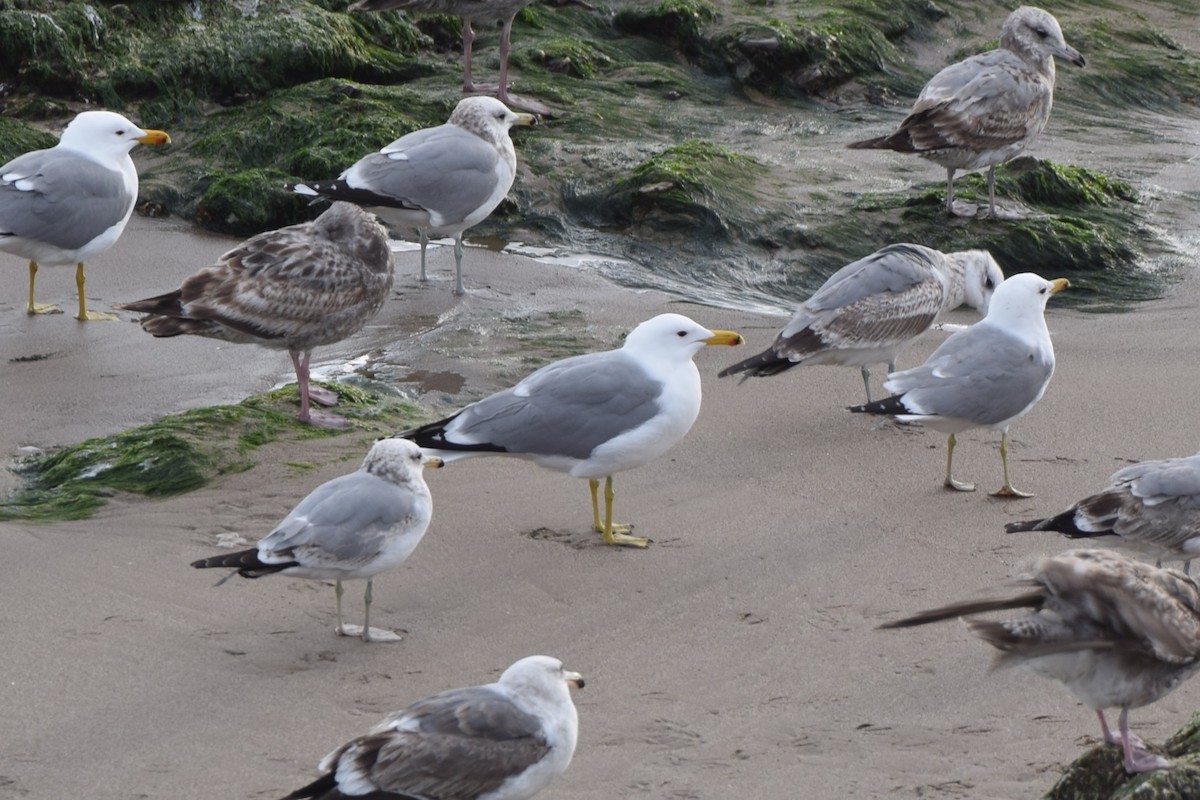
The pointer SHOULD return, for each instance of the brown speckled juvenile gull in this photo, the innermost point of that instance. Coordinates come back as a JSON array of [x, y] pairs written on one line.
[[986, 376], [1117, 632], [437, 181], [1152, 507], [471, 11], [501, 741], [987, 109], [352, 527], [295, 288], [866, 311], [72, 201]]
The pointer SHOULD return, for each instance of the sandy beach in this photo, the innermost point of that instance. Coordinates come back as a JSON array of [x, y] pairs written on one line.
[[737, 656]]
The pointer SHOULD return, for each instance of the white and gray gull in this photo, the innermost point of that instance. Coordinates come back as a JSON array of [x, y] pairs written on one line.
[[986, 376], [501, 741], [1152, 507], [1117, 632], [869, 309], [294, 289], [68, 203], [352, 527], [437, 181], [591, 415], [987, 109]]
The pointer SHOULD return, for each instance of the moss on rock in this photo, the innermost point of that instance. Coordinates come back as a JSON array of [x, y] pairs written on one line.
[[17, 137]]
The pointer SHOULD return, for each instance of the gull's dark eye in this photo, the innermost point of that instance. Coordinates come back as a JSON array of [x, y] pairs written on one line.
[[989, 284], [120, 133], [681, 334], [1041, 32]]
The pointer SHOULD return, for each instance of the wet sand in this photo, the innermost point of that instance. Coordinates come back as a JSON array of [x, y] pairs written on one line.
[[736, 656]]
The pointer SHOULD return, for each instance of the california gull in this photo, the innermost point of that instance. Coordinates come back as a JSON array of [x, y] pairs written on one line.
[[501, 741], [1152, 507], [986, 376], [987, 109], [294, 289], [1117, 632], [471, 11], [866, 311], [437, 181], [63, 205], [352, 527], [592, 415]]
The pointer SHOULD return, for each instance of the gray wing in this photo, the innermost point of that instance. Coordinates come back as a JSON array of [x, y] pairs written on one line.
[[458, 744], [344, 519], [446, 171], [65, 199], [568, 408], [986, 102], [885, 299], [308, 284], [982, 375], [1153, 503]]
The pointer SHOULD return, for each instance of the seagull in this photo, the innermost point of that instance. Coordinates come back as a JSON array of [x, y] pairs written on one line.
[[70, 202], [871, 308], [472, 11], [1116, 632], [439, 180], [355, 526], [1152, 506], [591, 415], [986, 376], [501, 741], [987, 109], [295, 288]]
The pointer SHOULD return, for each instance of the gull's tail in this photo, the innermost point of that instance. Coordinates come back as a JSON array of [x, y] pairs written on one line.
[[759, 366], [433, 437], [246, 562], [1030, 599], [889, 405]]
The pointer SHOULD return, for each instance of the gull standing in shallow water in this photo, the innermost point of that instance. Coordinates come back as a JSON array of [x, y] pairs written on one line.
[[501, 741], [437, 181], [866, 311], [352, 527], [1152, 507], [1116, 632], [986, 376], [63, 205], [591, 415], [987, 109], [295, 288]]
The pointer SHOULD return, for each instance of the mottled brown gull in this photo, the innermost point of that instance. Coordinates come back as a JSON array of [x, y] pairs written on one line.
[[1116, 632], [472, 11], [352, 527], [295, 288], [591, 415], [501, 741], [868, 310], [1152, 507], [68, 203], [437, 181], [985, 110], [986, 376]]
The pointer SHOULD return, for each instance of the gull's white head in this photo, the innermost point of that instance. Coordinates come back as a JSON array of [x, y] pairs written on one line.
[[1034, 35], [543, 675], [981, 276], [676, 335], [107, 134], [1023, 297], [398, 460], [487, 118]]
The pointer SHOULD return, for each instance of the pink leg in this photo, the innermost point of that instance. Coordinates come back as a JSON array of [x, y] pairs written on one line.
[[1136, 759], [511, 100], [321, 419], [469, 85]]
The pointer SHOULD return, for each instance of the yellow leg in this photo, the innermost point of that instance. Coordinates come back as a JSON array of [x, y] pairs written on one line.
[[84, 314], [1007, 489], [950, 483], [614, 533], [38, 308]]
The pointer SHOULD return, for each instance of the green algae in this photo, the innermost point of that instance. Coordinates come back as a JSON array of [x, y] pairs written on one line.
[[180, 453], [17, 137]]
